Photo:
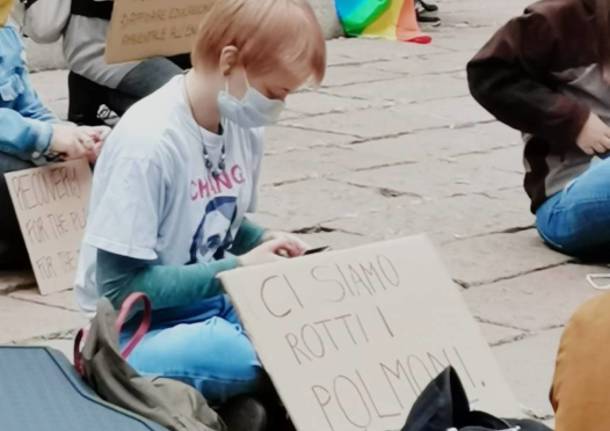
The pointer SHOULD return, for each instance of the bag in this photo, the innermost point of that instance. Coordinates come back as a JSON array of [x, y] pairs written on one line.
[[443, 406], [41, 391], [170, 403]]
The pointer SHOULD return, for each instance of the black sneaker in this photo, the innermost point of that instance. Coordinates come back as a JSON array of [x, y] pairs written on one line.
[[427, 19], [428, 7], [424, 15]]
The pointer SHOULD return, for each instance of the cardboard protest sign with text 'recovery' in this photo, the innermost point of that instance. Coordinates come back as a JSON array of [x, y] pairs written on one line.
[[351, 338], [141, 29], [51, 206]]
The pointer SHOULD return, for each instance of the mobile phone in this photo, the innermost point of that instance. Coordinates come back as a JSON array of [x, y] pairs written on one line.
[[316, 250]]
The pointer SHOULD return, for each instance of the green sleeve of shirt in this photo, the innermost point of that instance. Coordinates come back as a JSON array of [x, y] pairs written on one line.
[[166, 286], [248, 237]]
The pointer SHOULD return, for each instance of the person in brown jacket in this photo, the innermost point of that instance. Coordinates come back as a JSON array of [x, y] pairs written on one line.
[[546, 73]]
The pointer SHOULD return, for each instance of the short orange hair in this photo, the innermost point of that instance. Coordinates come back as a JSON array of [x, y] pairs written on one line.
[[268, 33]]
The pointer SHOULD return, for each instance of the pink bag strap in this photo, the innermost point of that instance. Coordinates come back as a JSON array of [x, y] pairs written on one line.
[[124, 313], [78, 356]]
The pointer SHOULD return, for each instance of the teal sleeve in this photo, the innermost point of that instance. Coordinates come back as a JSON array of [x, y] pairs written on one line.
[[166, 286], [248, 237]]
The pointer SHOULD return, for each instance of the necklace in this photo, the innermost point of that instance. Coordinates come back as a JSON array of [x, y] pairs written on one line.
[[209, 165]]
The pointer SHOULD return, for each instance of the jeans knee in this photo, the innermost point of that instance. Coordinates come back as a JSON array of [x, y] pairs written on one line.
[[237, 358]]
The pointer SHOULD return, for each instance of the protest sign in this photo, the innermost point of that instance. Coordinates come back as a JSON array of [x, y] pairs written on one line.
[[51, 204], [351, 338], [146, 28]]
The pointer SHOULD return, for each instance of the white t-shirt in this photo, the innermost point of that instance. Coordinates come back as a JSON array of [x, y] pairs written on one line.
[[152, 196]]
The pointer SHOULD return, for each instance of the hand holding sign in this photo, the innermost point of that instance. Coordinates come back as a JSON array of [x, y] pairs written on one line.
[[351, 338]]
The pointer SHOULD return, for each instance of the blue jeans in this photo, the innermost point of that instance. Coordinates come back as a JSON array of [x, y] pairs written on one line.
[[576, 221], [202, 345]]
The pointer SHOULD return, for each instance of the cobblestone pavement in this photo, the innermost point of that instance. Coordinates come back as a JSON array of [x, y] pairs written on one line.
[[391, 145]]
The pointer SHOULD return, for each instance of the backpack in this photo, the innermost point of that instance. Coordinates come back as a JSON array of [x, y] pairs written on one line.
[[443, 405], [171, 403]]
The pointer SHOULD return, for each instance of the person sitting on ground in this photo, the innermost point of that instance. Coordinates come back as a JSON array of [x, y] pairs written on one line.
[[175, 180], [29, 133], [547, 74], [92, 82]]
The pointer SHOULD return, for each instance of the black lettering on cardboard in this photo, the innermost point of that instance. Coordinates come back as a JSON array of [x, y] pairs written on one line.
[[339, 395], [323, 323], [329, 281], [389, 270], [319, 391], [321, 350], [293, 343], [380, 415]]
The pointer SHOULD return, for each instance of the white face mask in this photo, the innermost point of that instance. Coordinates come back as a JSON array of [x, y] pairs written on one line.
[[253, 110]]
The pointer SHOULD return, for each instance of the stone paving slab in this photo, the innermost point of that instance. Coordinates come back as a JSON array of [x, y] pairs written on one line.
[[65, 299], [290, 206], [444, 143], [509, 159], [12, 280], [335, 240], [425, 64], [409, 89], [22, 320], [374, 123], [528, 365], [51, 85], [357, 51], [463, 39], [459, 111], [444, 220], [535, 301], [309, 103], [482, 260], [497, 335], [299, 165], [281, 139], [435, 179], [341, 75]]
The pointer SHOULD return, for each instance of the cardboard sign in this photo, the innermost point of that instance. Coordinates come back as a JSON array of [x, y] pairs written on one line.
[[51, 205], [351, 338], [146, 28]]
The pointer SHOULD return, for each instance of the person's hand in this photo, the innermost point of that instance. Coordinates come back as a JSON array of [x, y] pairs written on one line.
[[99, 135], [71, 142], [594, 138], [269, 252], [301, 245]]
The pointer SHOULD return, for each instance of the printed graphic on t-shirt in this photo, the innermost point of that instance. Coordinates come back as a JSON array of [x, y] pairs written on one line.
[[216, 224], [206, 187]]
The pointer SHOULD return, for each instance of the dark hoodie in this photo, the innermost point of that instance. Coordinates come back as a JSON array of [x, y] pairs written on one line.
[[542, 74]]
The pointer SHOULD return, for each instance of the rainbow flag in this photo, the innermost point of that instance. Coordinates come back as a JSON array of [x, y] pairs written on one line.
[[389, 19]]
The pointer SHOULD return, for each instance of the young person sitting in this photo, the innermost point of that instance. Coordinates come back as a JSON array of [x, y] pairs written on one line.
[[547, 74], [175, 181], [83, 24], [29, 133]]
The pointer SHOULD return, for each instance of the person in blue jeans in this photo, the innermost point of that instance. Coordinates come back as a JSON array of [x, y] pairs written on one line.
[[175, 181], [29, 135], [546, 73]]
